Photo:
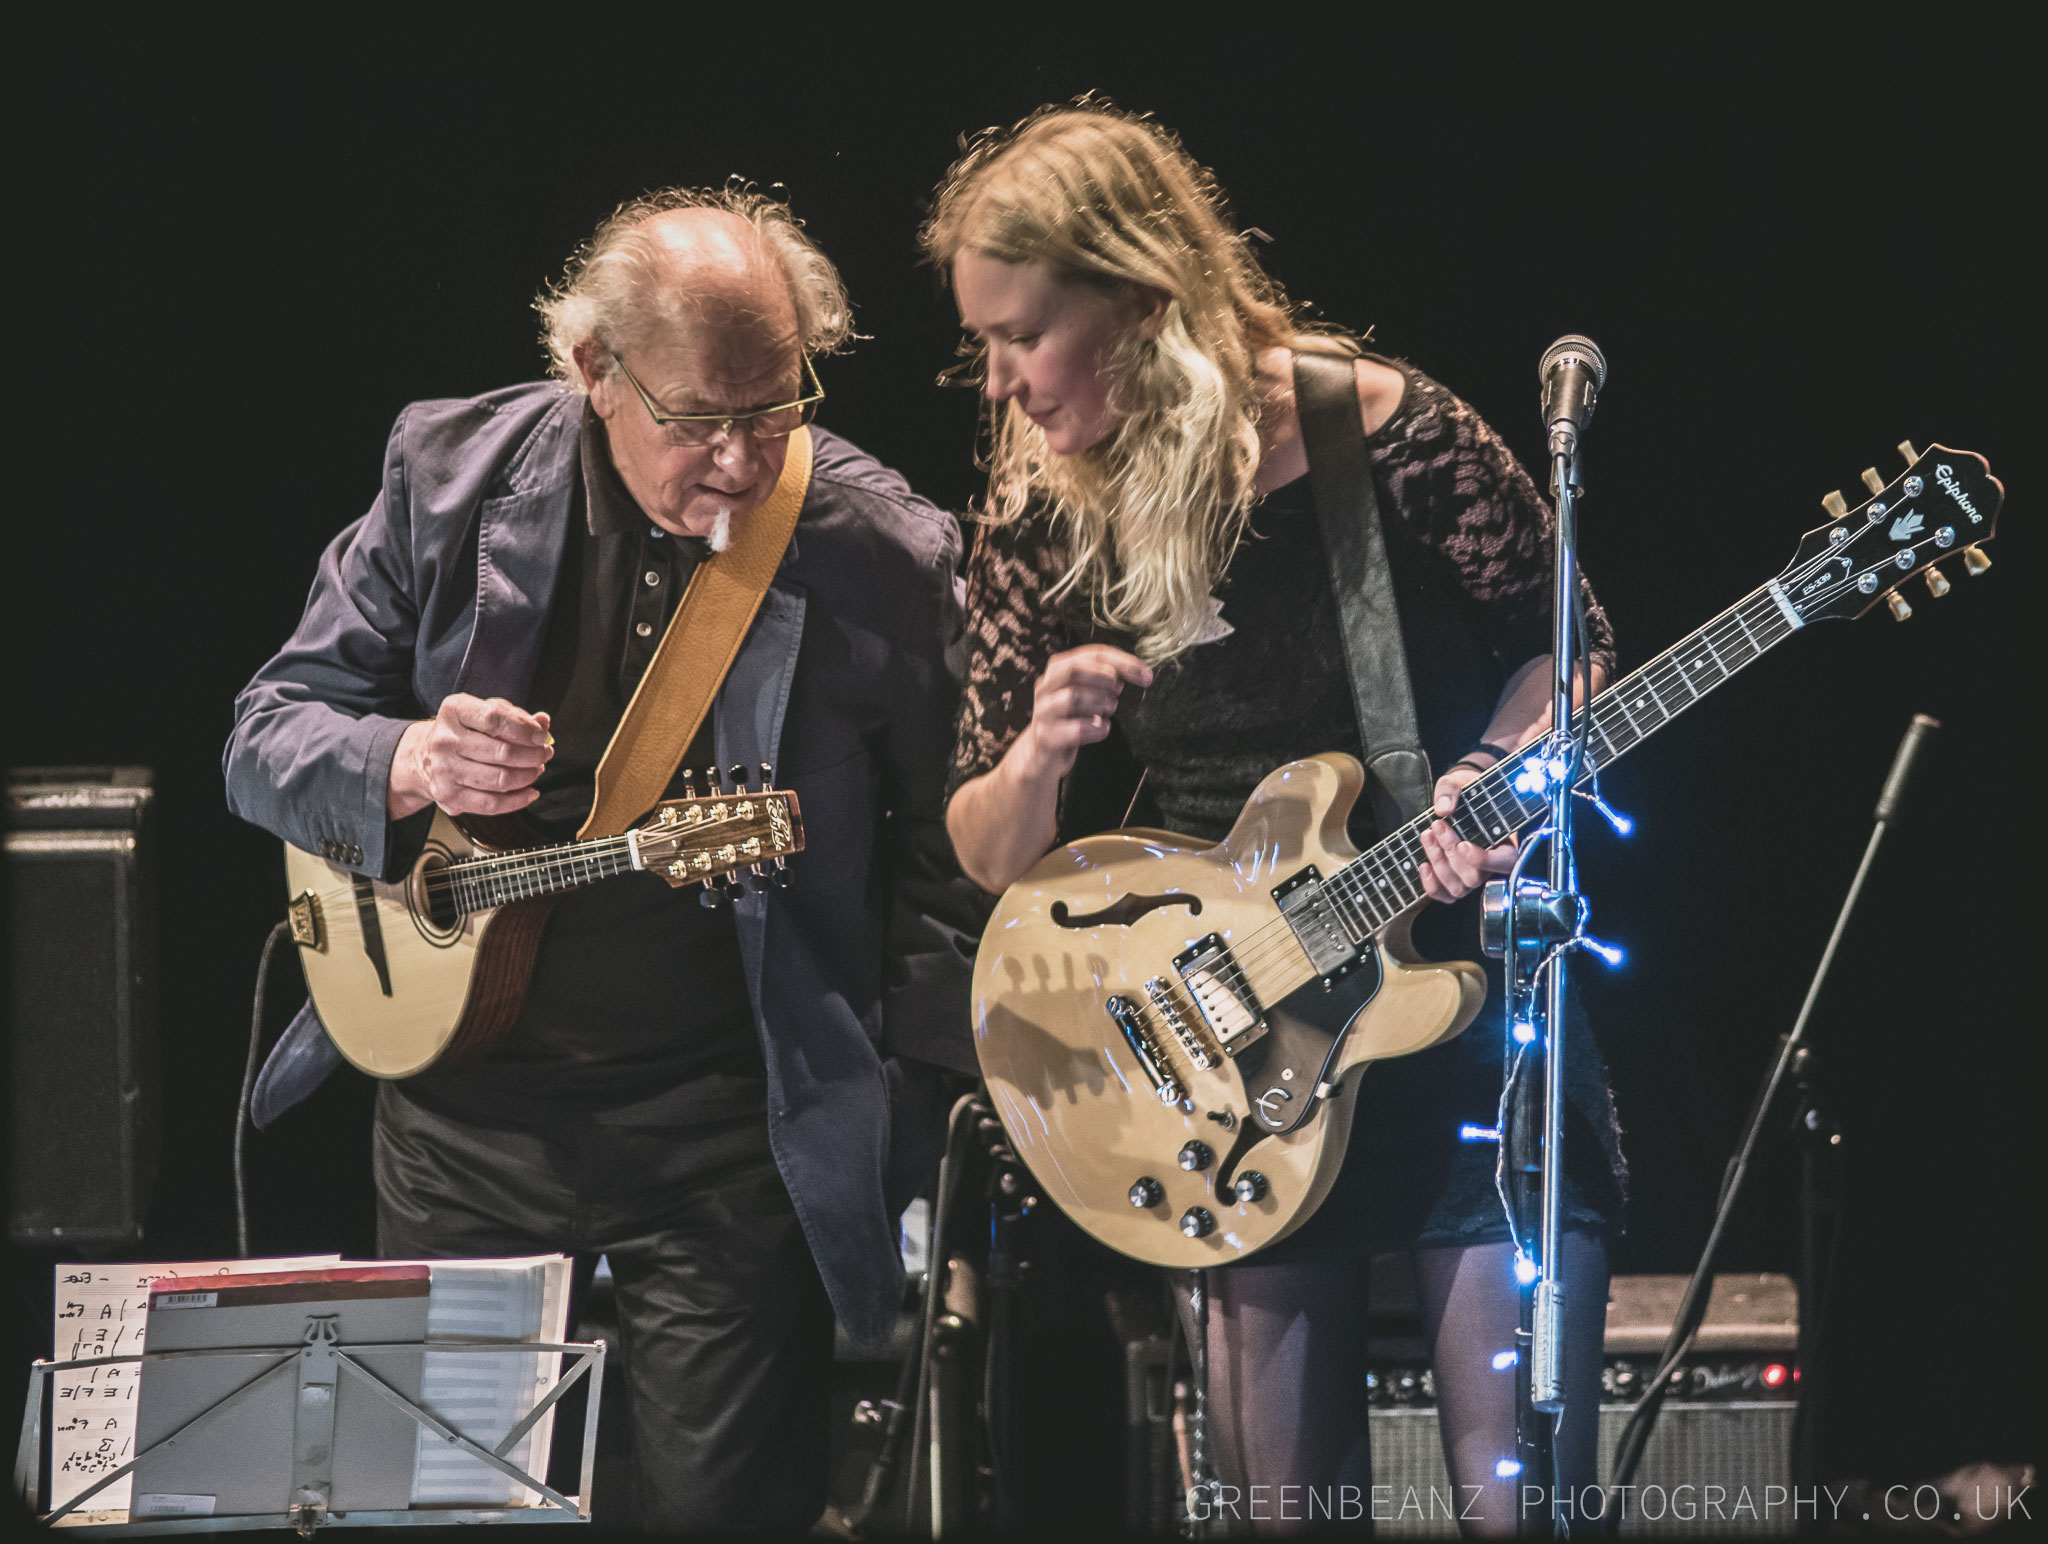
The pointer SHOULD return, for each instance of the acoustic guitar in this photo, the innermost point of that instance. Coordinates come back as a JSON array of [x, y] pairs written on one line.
[[1174, 1033], [431, 971]]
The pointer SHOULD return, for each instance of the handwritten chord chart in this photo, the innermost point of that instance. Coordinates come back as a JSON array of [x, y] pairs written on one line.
[[102, 1311]]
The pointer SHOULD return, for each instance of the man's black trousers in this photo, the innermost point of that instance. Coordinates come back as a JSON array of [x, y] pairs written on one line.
[[727, 1332]]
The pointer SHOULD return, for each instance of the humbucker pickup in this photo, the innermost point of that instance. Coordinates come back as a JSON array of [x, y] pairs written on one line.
[[1318, 925], [1211, 974]]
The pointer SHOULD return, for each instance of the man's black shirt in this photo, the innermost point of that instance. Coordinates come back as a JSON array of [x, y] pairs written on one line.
[[637, 1013]]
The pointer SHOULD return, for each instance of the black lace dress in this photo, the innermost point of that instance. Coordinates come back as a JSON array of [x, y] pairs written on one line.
[[1469, 540]]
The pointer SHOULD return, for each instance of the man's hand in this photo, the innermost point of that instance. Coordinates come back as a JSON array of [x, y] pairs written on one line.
[[1071, 706], [474, 757], [1453, 868]]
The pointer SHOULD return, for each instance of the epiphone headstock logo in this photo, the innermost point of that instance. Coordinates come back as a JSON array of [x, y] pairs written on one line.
[[1944, 474]]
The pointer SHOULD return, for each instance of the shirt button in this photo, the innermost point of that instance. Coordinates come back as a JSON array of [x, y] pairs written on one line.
[[656, 532], [652, 577], [643, 628]]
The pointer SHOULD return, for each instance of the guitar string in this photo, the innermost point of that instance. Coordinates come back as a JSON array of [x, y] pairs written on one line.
[[1258, 951], [534, 868], [1610, 714], [1759, 622], [1389, 864], [475, 871], [522, 861]]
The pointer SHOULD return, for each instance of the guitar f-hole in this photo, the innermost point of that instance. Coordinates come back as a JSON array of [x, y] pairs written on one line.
[[1123, 911]]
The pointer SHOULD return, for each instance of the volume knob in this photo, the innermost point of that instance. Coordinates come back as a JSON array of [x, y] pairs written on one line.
[[1250, 1186], [1146, 1192], [1195, 1156], [1196, 1222]]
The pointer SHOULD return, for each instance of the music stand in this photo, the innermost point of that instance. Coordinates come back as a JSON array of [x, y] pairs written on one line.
[[320, 1360]]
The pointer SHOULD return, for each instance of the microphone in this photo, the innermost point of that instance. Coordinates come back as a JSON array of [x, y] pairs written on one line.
[[1572, 371], [1916, 736]]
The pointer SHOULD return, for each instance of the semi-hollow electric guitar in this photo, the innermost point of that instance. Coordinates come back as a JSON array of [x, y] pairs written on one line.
[[431, 971], [1173, 1033]]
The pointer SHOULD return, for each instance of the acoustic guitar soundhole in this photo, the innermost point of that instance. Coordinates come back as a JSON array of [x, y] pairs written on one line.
[[1123, 911], [434, 910]]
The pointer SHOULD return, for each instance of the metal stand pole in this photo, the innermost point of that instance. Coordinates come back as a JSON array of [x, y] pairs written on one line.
[[1819, 1219], [1546, 1375], [1525, 1162], [1786, 1062], [1198, 1437]]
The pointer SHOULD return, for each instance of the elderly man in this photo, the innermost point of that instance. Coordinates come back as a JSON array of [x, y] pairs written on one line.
[[703, 1095]]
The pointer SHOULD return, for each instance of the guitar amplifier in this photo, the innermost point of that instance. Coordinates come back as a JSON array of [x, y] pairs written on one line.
[[1719, 1457], [82, 1096]]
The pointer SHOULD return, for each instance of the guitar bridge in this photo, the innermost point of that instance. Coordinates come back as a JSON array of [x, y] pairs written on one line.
[[304, 914], [1160, 990], [1138, 1036], [1224, 998]]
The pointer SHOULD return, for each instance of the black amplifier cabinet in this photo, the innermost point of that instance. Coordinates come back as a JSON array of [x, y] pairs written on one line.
[[1718, 1460], [82, 1083]]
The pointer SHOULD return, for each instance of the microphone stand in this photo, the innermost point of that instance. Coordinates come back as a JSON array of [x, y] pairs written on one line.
[[1544, 923], [1818, 1200], [1545, 1296]]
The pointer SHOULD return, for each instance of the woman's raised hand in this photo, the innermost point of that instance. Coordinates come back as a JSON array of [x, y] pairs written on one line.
[[1071, 705]]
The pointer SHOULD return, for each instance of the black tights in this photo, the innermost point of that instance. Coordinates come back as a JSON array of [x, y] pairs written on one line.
[[1287, 1394]]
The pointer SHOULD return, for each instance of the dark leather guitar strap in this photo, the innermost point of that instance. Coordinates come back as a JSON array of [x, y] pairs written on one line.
[[1375, 656]]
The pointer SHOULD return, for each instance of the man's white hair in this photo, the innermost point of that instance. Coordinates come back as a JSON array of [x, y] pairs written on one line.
[[618, 287]]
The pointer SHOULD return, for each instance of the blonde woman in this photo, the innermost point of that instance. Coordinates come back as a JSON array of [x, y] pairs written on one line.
[[1149, 572]]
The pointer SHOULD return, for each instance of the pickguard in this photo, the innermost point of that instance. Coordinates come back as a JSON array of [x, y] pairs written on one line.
[[373, 929], [1282, 1071]]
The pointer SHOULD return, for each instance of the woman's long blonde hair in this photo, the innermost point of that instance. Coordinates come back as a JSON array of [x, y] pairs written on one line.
[[1154, 512]]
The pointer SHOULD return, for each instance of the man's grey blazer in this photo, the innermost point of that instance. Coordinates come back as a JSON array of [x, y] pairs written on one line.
[[846, 683]]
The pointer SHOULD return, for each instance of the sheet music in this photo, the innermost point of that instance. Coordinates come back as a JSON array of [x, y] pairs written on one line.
[[483, 1397], [103, 1311]]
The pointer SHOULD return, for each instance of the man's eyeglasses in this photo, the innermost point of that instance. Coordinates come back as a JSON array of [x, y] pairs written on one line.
[[695, 430]]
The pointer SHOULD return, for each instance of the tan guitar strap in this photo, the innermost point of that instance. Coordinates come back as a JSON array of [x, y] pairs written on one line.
[[689, 665]]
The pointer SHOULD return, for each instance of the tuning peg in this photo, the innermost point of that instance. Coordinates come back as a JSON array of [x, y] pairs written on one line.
[[1900, 610], [767, 776], [1906, 449], [731, 885], [780, 874], [1836, 506], [1872, 481], [1974, 561], [689, 784], [1937, 583], [712, 896], [739, 778]]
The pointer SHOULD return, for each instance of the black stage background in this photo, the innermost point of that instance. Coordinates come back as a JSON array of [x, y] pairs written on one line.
[[241, 248]]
